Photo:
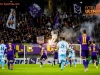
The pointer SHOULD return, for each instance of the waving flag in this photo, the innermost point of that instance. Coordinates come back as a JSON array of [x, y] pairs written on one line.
[[35, 10], [77, 9], [11, 22], [56, 22]]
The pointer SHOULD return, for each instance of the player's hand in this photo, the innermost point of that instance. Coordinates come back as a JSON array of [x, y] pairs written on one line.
[[14, 55]]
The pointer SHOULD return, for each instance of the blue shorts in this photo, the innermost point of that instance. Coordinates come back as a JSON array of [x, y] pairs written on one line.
[[62, 57], [0, 57], [71, 56]]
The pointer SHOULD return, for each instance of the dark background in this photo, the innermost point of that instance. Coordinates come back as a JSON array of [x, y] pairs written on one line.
[[69, 3]]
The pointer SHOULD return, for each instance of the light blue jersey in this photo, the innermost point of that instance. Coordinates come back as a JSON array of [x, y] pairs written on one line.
[[71, 52], [62, 47], [2, 52], [2, 49]]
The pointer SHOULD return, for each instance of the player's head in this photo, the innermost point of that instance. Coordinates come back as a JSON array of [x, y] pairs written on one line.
[[69, 42], [84, 31], [9, 42], [93, 42], [2, 41], [62, 38]]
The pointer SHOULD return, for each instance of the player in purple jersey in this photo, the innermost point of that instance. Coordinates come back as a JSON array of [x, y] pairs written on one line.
[[55, 52], [94, 51], [10, 55], [43, 55], [84, 41]]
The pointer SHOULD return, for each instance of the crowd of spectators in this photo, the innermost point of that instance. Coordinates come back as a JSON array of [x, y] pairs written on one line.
[[28, 28]]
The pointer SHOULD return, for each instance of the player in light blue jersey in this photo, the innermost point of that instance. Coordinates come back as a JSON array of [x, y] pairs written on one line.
[[62, 46], [71, 56], [2, 53]]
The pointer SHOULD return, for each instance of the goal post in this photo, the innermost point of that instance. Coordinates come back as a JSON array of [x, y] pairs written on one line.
[[24, 54]]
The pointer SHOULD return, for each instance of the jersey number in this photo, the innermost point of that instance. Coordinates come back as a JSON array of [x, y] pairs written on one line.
[[83, 40], [2, 48], [62, 45]]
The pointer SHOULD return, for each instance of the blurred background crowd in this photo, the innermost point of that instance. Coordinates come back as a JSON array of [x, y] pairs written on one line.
[[28, 28]]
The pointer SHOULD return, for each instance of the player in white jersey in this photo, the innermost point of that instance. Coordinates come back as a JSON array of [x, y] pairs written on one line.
[[2, 53], [62, 46]]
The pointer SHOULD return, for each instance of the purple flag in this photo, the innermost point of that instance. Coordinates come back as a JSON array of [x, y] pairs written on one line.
[[35, 10], [56, 22]]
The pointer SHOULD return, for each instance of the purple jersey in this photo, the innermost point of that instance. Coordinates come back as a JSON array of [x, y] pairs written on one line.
[[44, 52], [10, 49], [55, 54], [84, 42], [94, 50]]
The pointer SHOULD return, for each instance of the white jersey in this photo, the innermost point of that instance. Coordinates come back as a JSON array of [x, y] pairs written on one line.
[[62, 46], [2, 49]]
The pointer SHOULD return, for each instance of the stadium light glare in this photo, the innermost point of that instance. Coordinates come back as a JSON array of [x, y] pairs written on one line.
[[10, 1], [49, 42], [81, 2]]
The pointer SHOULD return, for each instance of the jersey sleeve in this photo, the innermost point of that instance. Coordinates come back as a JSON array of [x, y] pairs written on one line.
[[97, 48], [79, 39]]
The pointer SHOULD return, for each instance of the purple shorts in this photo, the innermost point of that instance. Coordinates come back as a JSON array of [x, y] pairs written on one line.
[[94, 57], [10, 57], [43, 57], [55, 57], [85, 53]]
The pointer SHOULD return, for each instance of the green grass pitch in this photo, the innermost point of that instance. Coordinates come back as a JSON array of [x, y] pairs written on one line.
[[47, 69]]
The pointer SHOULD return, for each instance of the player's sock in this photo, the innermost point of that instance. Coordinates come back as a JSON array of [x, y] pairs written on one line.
[[11, 65], [3, 64], [54, 62], [74, 63], [62, 65], [8, 65], [96, 64], [41, 63], [0, 63], [59, 64], [84, 63], [70, 63]]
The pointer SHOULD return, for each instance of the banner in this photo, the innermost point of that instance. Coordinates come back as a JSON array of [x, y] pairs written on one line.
[[35, 10], [40, 39], [11, 22], [77, 9], [36, 61], [35, 48]]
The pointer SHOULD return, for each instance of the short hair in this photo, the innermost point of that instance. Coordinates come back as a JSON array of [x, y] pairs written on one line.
[[93, 42], [62, 38], [84, 31], [2, 41], [70, 42], [9, 41]]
